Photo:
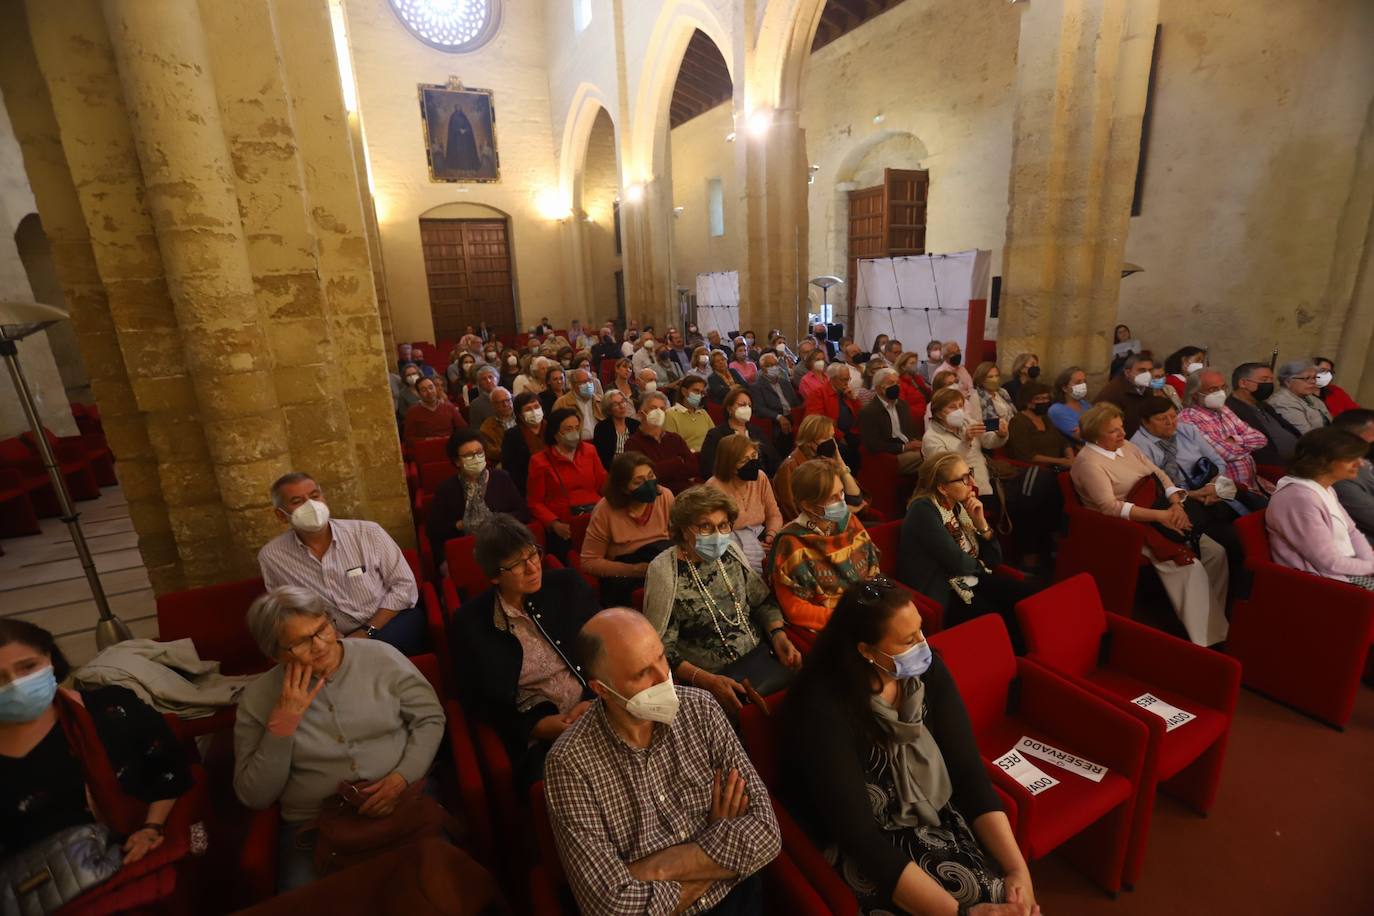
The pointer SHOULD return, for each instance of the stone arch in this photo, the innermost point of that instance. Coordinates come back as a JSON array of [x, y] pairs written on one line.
[[587, 101], [783, 46], [35, 253]]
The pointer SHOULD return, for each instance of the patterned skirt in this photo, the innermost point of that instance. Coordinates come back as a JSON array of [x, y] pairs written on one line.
[[1365, 582]]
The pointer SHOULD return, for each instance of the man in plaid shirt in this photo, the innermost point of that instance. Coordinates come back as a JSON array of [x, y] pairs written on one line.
[[654, 804], [1233, 438]]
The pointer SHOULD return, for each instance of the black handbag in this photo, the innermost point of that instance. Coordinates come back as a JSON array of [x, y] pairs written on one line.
[[761, 667]]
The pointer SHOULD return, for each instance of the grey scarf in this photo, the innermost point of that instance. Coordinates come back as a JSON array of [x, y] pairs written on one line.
[[475, 509], [918, 767]]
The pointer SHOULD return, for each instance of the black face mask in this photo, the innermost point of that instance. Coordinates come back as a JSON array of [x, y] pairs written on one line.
[[827, 449], [749, 471], [1264, 390], [892, 392], [1041, 409], [956, 359], [1033, 372]]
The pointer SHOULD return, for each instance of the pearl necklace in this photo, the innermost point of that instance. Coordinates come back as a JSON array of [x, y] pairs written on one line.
[[716, 614]]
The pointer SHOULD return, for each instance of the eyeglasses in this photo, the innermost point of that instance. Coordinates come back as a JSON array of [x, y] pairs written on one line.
[[1304, 378], [706, 529], [529, 560], [324, 633], [965, 478], [871, 590]]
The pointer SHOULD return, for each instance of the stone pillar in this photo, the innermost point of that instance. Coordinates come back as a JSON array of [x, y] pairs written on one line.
[[773, 275], [374, 236], [1082, 72], [164, 69], [646, 234]]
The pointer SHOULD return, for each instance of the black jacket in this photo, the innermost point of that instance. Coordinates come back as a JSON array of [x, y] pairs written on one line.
[[767, 454], [603, 437], [450, 501], [766, 402], [875, 426], [928, 557], [488, 660]]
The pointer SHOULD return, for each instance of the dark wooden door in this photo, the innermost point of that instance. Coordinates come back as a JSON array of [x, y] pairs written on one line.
[[865, 233], [887, 220], [468, 266]]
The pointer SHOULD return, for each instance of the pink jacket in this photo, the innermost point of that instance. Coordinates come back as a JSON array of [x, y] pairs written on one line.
[[1301, 535]]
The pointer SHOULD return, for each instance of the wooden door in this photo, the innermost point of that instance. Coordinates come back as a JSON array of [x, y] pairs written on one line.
[[866, 233], [468, 266], [905, 211]]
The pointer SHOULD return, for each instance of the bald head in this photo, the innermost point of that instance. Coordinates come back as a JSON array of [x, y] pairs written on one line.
[[620, 648]]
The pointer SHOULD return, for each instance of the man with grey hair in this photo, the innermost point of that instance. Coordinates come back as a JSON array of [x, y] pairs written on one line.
[[479, 409], [886, 425], [1130, 390], [773, 393], [653, 802], [1296, 399], [353, 564], [581, 397], [1231, 437], [674, 464], [835, 401]]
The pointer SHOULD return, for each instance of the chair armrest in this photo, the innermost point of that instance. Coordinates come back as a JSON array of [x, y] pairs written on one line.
[[451, 599], [1088, 725], [472, 792], [10, 478], [1009, 572], [1174, 664], [71, 450], [258, 856], [500, 778], [798, 846]]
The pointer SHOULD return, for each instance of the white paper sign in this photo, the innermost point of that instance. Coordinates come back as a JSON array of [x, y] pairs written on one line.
[[1033, 779], [1071, 762], [1126, 346], [1173, 716]]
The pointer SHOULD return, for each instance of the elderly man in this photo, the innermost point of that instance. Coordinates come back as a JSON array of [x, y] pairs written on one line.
[[806, 355], [678, 353], [850, 353], [821, 331], [773, 393], [688, 418], [645, 356], [488, 377], [606, 349], [1130, 390], [954, 362], [886, 425], [1296, 399], [1357, 496], [494, 427], [655, 806], [647, 379], [713, 342], [354, 564], [581, 397], [1230, 436], [1252, 384], [835, 401], [674, 463], [434, 417]]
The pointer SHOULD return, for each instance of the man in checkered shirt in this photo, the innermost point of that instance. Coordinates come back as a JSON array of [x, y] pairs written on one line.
[[654, 804]]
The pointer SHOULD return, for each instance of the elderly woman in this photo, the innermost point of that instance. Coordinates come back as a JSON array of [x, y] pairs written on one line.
[[1025, 368], [524, 440], [1114, 477], [1308, 527], [742, 365], [332, 711], [815, 439], [949, 551], [820, 552], [533, 378], [722, 378], [470, 497], [910, 380], [718, 621], [739, 410], [739, 474], [1296, 400], [674, 462], [565, 479], [612, 432], [884, 769], [99, 762], [993, 405], [555, 387], [953, 428], [628, 528], [701, 363], [1070, 397]]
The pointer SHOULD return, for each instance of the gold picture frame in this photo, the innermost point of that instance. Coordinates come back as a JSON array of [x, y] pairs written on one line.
[[460, 133]]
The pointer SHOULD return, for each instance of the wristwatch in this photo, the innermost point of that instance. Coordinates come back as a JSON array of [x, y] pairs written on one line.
[[370, 630]]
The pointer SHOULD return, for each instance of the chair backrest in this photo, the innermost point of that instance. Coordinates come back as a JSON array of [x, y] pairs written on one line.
[[759, 733], [887, 538], [1063, 624], [428, 664], [435, 473], [1066, 488], [979, 656], [1254, 539], [213, 617], [878, 477], [543, 834], [579, 530], [467, 576], [431, 450], [716, 412]]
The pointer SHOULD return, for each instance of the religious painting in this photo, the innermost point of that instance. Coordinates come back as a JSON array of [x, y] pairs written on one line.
[[460, 133]]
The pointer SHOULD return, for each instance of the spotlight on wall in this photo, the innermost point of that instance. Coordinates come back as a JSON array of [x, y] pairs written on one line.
[[879, 118], [634, 193], [677, 211], [552, 205], [730, 137], [760, 121]]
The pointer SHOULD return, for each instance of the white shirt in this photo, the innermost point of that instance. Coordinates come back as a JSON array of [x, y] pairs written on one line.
[[891, 408]]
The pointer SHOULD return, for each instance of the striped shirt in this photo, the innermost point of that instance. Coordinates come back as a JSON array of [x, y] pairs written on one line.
[[362, 571], [611, 805]]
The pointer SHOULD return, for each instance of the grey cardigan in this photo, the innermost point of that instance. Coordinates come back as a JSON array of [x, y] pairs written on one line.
[[377, 714], [1304, 414], [660, 586]]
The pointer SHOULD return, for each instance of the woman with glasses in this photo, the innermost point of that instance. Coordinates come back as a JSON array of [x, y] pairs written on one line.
[[1296, 401], [820, 553], [628, 528], [739, 474], [509, 645], [718, 621], [948, 549], [332, 711], [815, 439], [884, 770]]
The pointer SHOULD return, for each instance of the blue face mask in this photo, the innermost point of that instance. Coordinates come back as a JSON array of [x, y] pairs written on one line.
[[713, 546], [694, 399], [1156, 383], [914, 662], [24, 699], [838, 513], [586, 389]]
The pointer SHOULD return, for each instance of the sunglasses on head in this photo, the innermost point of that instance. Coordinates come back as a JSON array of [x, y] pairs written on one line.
[[871, 590]]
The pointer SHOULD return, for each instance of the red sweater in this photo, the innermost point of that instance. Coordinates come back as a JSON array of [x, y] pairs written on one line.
[[915, 399], [824, 400], [556, 484], [423, 423]]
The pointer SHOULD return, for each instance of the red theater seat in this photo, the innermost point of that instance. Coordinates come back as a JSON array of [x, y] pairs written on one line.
[[17, 514], [213, 617], [1106, 548]]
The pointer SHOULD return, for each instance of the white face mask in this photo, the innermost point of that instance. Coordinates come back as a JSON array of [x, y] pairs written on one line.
[[310, 516], [780, 348], [475, 464], [1142, 379], [743, 414], [818, 366], [956, 418], [1080, 390], [702, 360], [649, 345], [1191, 368], [1214, 400], [412, 380], [655, 417], [534, 417], [650, 386], [1323, 378], [652, 704]]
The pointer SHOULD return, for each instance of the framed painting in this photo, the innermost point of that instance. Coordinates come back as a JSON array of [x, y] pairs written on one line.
[[460, 133]]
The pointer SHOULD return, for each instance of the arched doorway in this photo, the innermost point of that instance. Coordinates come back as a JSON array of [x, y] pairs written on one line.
[[469, 269], [36, 256], [596, 205]]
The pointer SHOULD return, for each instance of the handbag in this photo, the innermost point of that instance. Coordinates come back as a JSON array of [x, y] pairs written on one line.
[[343, 837], [57, 869], [761, 668]]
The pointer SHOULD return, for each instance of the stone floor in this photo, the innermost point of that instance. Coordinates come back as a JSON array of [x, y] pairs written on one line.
[[41, 579]]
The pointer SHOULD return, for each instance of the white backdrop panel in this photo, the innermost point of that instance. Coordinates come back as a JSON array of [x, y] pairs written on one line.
[[718, 302], [918, 299]]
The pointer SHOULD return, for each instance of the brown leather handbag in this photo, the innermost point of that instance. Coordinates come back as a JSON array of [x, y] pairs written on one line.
[[343, 837]]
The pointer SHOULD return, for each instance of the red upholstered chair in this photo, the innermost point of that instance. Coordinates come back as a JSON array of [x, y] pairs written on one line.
[[578, 527], [90, 447], [430, 451], [74, 461], [1068, 631], [466, 576], [1106, 548], [1008, 698], [1301, 639], [17, 515], [880, 481], [33, 477], [213, 618], [887, 538], [430, 476], [716, 411], [436, 621]]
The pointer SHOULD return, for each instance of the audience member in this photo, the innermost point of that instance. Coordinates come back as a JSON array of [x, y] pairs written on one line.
[[886, 425], [96, 758], [1070, 401], [935, 357], [988, 400], [722, 377], [739, 410], [1296, 399], [638, 829], [914, 387], [534, 372], [1025, 368], [628, 528], [1030, 438], [480, 407], [524, 440], [1129, 391], [952, 429], [460, 375], [815, 439], [1357, 494], [1252, 384], [867, 390], [509, 645], [510, 370], [816, 379], [1228, 435], [1336, 399], [718, 620], [433, 417], [500, 420], [1108, 476], [1124, 347], [624, 380], [821, 551], [954, 359], [1182, 363], [742, 366], [892, 351], [565, 479], [332, 711], [773, 396], [885, 773], [616, 427], [739, 474], [701, 363], [470, 497], [674, 463], [555, 388], [582, 398], [606, 348], [835, 402], [1308, 527], [352, 563], [688, 418], [409, 397]]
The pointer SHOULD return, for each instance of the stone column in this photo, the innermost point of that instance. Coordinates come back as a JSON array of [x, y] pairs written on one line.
[[1082, 72], [646, 234], [773, 275], [165, 72]]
